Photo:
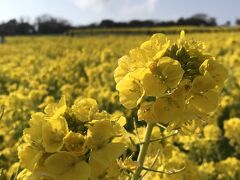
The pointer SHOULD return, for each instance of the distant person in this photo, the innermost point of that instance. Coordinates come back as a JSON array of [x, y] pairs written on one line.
[[2, 39]]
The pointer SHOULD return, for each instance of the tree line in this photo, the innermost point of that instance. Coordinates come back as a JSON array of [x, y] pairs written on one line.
[[47, 24], [44, 24], [195, 20]]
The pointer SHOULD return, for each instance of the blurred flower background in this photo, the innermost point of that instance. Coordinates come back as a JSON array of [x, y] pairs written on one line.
[[70, 48]]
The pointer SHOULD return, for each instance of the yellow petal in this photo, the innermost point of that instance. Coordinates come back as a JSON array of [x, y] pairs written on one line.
[[153, 85], [206, 102], [131, 91], [216, 70], [203, 84], [55, 167], [146, 112], [156, 46], [64, 165], [122, 69], [55, 110], [171, 70], [84, 109], [53, 133], [81, 170], [109, 153], [99, 134], [167, 110], [75, 142], [34, 132], [29, 156], [138, 58], [24, 175], [122, 121]]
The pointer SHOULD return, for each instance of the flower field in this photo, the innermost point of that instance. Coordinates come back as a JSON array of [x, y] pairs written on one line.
[[120, 107]]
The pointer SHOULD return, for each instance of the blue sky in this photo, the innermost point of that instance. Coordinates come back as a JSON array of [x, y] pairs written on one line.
[[87, 11]]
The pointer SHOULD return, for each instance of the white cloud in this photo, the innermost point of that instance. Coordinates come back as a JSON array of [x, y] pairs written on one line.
[[143, 10], [86, 4], [151, 5], [118, 9]]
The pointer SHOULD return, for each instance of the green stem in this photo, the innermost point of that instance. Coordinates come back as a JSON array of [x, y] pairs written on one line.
[[143, 151], [163, 138]]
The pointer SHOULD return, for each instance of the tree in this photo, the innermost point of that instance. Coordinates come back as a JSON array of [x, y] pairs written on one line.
[[13, 27], [107, 23], [47, 24], [198, 20], [237, 22]]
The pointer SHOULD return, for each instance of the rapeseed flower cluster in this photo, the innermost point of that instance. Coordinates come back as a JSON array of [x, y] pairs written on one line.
[[171, 83]]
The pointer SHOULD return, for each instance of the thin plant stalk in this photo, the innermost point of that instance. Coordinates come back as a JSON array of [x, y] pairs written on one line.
[[143, 151]]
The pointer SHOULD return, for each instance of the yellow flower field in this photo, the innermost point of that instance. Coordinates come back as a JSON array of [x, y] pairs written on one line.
[[80, 101]]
